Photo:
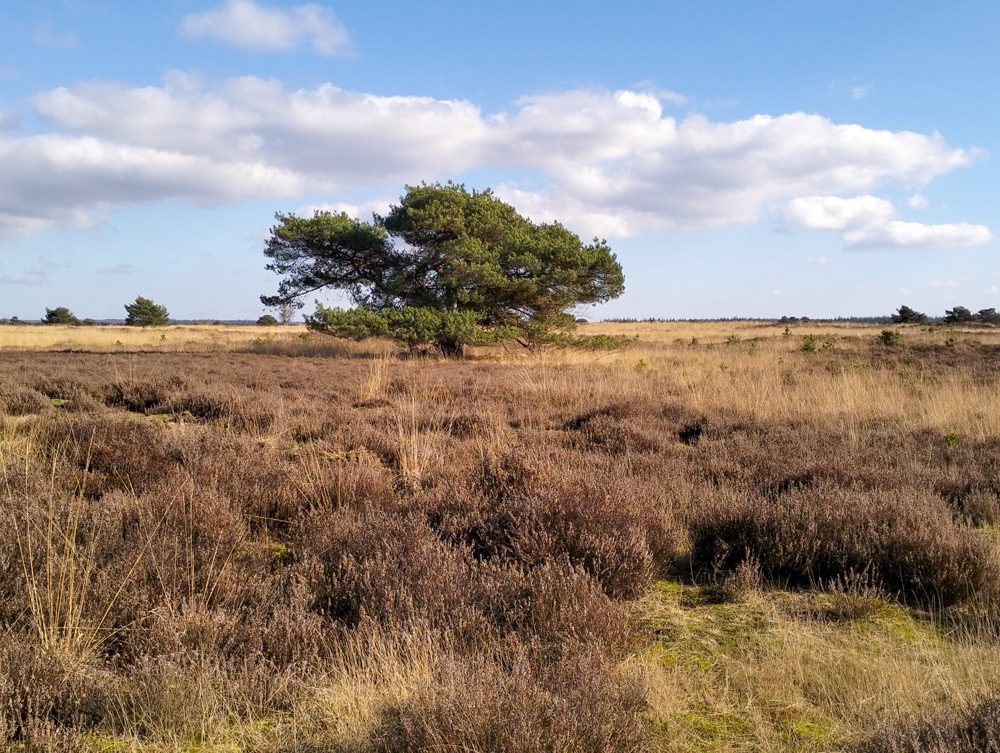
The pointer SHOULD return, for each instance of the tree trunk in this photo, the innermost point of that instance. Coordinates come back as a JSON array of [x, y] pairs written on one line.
[[451, 348]]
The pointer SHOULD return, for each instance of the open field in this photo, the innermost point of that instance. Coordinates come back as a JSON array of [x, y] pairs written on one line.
[[236, 538]]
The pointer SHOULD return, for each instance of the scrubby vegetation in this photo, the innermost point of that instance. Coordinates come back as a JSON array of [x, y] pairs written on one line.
[[676, 546]]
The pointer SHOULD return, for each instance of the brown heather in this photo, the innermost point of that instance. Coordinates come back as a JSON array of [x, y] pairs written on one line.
[[240, 539]]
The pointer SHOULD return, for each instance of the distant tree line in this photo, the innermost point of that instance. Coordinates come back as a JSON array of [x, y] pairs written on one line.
[[957, 315], [143, 312]]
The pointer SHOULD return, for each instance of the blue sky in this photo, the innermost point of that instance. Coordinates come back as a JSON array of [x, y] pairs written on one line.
[[742, 158]]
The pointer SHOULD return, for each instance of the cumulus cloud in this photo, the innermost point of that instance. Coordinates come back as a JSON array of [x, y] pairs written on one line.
[[338, 137], [73, 180], [817, 260], [246, 24], [918, 201], [603, 163], [869, 221], [619, 167]]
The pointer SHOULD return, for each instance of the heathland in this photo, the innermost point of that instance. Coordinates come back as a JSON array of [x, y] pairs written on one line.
[[724, 536]]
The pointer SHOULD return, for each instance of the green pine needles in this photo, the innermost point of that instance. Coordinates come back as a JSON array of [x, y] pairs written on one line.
[[445, 266]]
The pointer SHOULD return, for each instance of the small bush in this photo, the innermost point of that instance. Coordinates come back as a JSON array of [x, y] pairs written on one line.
[[140, 396], [16, 400], [900, 540], [891, 337], [115, 452], [43, 694], [388, 568], [505, 705], [606, 529], [976, 730]]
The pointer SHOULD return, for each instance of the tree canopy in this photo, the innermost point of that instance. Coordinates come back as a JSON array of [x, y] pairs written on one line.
[[958, 315], [445, 265], [59, 315], [906, 315], [988, 316], [144, 313]]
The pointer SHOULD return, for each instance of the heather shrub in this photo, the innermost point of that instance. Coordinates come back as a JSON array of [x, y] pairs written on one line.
[[902, 541], [115, 452], [17, 400], [141, 396], [616, 429], [976, 730], [504, 704], [553, 608], [634, 426], [390, 568], [43, 693], [241, 411], [533, 514], [266, 486], [64, 387]]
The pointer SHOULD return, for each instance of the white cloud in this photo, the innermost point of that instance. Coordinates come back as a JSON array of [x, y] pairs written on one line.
[[118, 269], [47, 35], [818, 260], [835, 213], [363, 211], [74, 180], [953, 283], [262, 27], [777, 292], [18, 225], [860, 92], [337, 137], [918, 201], [9, 121], [992, 290], [23, 278], [868, 221], [618, 167], [899, 234], [603, 163]]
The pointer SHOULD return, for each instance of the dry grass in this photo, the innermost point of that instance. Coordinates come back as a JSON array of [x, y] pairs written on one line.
[[220, 541], [797, 672]]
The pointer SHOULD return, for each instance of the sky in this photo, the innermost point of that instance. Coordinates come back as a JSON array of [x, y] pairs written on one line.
[[753, 158]]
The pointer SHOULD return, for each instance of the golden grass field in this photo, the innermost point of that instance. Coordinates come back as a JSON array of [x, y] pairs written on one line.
[[752, 374], [223, 538]]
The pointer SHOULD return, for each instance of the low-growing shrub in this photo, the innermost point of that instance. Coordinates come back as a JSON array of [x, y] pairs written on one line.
[[976, 730], [890, 337], [140, 396], [586, 520], [503, 704], [389, 568], [114, 452], [17, 400], [902, 541], [44, 696]]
